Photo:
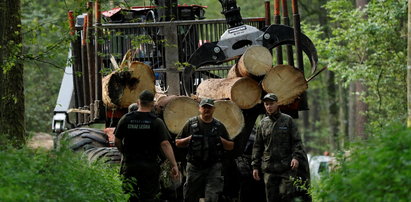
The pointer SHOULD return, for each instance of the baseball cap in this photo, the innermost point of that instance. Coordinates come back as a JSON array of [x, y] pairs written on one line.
[[207, 101], [270, 96], [146, 95]]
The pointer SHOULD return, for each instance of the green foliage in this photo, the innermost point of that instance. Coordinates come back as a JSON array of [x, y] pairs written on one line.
[[369, 45], [37, 175], [45, 51], [376, 170]]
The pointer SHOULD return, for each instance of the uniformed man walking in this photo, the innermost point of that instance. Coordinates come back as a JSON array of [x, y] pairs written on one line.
[[277, 152], [206, 138], [139, 135]]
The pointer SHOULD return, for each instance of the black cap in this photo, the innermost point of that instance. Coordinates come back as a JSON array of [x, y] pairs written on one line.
[[207, 101], [270, 96], [146, 95]]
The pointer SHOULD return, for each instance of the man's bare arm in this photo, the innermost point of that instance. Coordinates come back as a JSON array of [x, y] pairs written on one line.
[[168, 151], [183, 142]]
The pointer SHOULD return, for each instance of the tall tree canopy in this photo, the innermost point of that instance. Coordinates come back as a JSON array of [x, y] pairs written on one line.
[[369, 44]]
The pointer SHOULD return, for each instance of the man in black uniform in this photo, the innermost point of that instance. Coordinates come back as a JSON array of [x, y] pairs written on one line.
[[139, 134], [205, 138]]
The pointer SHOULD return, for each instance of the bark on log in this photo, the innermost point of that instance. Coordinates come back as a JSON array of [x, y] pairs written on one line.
[[286, 82], [176, 111], [243, 91], [233, 72], [230, 115], [256, 61], [122, 87]]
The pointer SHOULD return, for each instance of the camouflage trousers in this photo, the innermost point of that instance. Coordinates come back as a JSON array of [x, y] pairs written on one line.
[[278, 188], [207, 182]]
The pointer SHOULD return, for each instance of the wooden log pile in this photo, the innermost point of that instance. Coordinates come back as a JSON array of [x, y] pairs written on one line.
[[252, 77], [246, 83]]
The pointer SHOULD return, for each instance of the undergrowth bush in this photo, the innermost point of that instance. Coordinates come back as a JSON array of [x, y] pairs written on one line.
[[38, 175], [378, 169]]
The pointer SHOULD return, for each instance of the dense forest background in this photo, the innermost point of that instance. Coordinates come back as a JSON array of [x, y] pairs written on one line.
[[362, 45], [358, 106]]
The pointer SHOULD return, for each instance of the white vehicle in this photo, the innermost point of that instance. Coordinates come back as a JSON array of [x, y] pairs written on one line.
[[320, 165]]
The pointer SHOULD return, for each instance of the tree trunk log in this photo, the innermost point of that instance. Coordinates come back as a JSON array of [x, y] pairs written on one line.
[[256, 61], [286, 82], [176, 110], [230, 115], [122, 87], [161, 104], [12, 119], [243, 91], [233, 72]]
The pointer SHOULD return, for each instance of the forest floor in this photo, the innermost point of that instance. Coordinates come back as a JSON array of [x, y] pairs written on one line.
[[41, 140]]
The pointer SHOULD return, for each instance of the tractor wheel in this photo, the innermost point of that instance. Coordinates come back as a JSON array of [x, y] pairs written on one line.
[[109, 155], [81, 139]]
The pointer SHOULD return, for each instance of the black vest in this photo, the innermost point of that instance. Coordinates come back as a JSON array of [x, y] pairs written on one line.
[[140, 141], [205, 146]]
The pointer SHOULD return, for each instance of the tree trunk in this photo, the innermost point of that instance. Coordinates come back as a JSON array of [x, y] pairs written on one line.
[[230, 115], [343, 115], [243, 91], [233, 72], [12, 125], [360, 107], [351, 112], [333, 111], [315, 127], [256, 61], [409, 67], [121, 88], [286, 82], [161, 104]]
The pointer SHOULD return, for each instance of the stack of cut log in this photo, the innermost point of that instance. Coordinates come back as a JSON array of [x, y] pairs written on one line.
[[247, 81], [242, 84]]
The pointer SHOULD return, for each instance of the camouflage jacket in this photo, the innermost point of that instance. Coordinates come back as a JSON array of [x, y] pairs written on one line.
[[277, 143]]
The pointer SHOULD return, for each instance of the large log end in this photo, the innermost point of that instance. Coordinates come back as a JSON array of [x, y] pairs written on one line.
[[256, 61], [286, 82], [122, 87], [230, 115], [178, 111]]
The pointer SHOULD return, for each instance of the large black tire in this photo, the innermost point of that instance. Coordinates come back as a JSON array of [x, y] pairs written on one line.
[[81, 139], [109, 155]]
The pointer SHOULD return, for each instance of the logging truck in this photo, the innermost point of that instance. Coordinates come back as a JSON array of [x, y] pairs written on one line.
[[173, 51]]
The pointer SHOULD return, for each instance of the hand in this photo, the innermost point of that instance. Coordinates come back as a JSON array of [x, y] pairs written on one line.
[[294, 164], [256, 175], [175, 173]]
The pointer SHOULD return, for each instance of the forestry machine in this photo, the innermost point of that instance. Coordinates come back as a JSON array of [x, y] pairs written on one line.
[[207, 48]]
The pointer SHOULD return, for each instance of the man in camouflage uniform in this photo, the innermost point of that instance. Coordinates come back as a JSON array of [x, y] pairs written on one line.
[[277, 152], [205, 138], [139, 135]]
